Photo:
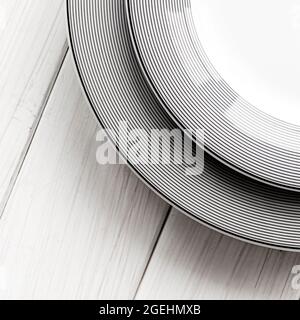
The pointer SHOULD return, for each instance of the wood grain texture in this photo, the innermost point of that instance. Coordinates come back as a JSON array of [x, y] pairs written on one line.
[[193, 262], [72, 228], [33, 43]]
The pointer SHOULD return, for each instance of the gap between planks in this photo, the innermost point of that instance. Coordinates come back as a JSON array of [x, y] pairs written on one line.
[[33, 39], [73, 229], [35, 125], [193, 262]]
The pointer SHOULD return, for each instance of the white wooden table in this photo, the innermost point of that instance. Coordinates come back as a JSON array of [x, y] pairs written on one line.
[[73, 229]]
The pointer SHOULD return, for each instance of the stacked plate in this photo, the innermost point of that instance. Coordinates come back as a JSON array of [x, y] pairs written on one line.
[[142, 62]]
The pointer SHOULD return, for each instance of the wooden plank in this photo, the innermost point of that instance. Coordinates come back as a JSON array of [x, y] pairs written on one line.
[[193, 262], [33, 43], [73, 228]]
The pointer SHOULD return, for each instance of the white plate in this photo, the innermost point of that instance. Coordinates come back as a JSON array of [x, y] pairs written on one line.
[[231, 68], [117, 91]]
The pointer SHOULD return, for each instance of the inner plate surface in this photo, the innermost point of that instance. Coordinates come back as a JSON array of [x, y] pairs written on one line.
[[117, 91], [196, 95], [255, 47]]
